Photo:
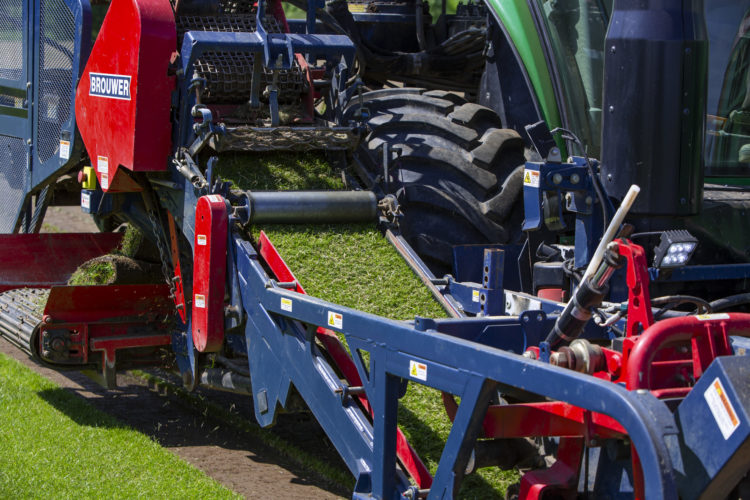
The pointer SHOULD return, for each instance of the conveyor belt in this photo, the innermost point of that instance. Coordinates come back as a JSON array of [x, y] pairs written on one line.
[[348, 264], [20, 312]]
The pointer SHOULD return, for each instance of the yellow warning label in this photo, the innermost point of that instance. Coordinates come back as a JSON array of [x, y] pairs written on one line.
[[286, 304], [531, 178], [357, 7], [335, 320], [418, 370]]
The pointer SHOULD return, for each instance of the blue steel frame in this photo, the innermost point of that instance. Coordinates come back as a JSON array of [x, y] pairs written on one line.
[[281, 351], [81, 11], [277, 50], [23, 122]]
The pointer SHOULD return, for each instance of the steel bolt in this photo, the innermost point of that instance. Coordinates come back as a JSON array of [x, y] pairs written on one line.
[[589, 200], [575, 178], [557, 179]]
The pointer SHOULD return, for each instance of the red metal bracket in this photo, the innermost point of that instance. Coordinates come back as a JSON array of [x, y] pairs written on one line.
[[80, 319], [209, 272], [562, 476], [179, 293], [640, 316]]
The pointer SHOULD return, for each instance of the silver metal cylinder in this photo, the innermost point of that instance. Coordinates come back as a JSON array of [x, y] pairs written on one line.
[[311, 207]]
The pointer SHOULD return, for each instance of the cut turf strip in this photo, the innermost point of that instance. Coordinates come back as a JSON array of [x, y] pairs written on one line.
[[354, 265]]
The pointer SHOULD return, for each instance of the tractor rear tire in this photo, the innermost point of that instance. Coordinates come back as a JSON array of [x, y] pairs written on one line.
[[457, 173]]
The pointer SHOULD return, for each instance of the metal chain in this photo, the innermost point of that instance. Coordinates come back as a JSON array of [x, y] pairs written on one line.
[[160, 235]]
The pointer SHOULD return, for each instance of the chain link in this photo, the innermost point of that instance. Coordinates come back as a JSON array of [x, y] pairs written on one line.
[[160, 235]]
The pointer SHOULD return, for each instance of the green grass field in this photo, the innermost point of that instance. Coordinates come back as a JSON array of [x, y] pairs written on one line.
[[53, 444]]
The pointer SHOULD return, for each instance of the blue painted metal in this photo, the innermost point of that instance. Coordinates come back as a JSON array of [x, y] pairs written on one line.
[[486, 297], [573, 188], [700, 273], [714, 420], [277, 52], [46, 43], [281, 351]]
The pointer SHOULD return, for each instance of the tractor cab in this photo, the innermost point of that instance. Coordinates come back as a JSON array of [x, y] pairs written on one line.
[[573, 37]]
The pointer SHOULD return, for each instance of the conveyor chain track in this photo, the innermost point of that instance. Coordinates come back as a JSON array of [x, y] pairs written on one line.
[[20, 312]]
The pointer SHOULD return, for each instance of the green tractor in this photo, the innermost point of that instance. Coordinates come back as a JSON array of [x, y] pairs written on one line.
[[661, 98]]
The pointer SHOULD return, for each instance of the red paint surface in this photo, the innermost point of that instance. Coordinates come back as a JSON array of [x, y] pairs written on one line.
[[707, 338], [45, 260], [136, 39], [179, 293], [209, 272]]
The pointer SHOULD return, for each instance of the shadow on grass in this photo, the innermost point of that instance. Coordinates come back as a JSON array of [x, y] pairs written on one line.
[[204, 425], [279, 171], [78, 410], [429, 445]]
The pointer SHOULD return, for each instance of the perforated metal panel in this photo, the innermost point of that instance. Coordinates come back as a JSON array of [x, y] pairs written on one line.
[[56, 51], [11, 39], [229, 74], [13, 174]]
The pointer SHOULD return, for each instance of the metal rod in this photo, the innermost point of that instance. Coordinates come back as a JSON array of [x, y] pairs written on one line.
[[226, 380], [614, 225], [311, 207], [424, 274]]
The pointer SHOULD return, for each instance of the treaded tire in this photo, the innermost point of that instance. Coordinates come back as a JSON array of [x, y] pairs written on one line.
[[459, 175]]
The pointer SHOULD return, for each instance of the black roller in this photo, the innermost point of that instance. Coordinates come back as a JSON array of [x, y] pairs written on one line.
[[311, 207]]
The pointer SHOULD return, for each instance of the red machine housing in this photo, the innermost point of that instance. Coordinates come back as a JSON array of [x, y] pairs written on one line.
[[209, 272], [123, 123]]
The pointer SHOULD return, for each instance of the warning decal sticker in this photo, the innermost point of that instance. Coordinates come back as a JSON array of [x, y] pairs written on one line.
[[418, 370], [286, 304], [335, 320], [102, 164], [64, 150], [721, 408], [201, 239], [531, 178], [200, 301]]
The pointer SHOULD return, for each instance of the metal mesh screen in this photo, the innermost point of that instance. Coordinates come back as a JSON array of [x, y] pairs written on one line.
[[237, 6], [11, 39], [229, 74], [57, 46], [13, 174]]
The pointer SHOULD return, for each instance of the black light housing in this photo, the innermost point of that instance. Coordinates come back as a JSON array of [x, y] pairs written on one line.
[[675, 249]]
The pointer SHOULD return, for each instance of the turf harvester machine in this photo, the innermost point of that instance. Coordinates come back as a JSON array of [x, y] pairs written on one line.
[[642, 400]]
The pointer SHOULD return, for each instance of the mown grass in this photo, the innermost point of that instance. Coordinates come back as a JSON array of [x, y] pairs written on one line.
[[54, 444], [355, 266]]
